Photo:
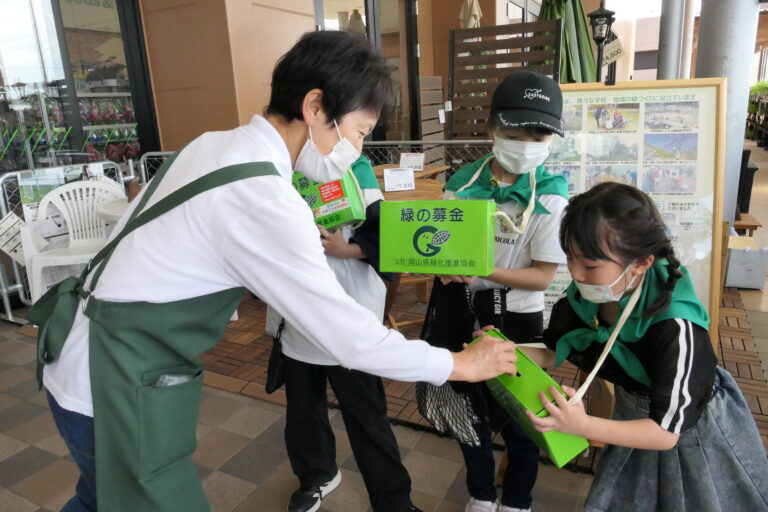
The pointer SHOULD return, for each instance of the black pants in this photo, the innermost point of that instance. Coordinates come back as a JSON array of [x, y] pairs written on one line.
[[522, 469], [310, 441]]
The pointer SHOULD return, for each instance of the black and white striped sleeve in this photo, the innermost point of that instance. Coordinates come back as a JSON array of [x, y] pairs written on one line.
[[682, 369]]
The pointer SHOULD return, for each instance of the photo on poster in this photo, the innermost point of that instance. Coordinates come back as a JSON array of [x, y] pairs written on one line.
[[667, 217], [572, 118], [612, 148], [672, 116], [621, 173], [610, 117], [565, 149], [570, 172], [669, 179], [671, 147]]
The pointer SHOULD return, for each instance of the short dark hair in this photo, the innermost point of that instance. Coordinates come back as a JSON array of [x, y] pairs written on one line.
[[623, 220], [344, 66], [529, 131]]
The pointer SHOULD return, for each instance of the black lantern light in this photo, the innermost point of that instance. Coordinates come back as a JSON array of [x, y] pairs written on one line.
[[601, 21]]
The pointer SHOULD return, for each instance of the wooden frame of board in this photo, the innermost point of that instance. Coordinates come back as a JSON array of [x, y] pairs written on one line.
[[709, 96]]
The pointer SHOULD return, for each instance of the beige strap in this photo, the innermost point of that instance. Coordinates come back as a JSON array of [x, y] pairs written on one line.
[[505, 220], [609, 344], [476, 175], [527, 213]]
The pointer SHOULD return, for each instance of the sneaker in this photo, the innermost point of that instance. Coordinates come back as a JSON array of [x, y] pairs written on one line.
[[502, 508], [308, 499], [474, 505]]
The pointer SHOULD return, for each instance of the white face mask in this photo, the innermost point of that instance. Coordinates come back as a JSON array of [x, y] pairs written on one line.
[[330, 167], [518, 157], [602, 293]]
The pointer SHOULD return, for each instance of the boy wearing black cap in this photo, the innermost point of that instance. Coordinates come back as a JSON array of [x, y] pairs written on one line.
[[526, 112]]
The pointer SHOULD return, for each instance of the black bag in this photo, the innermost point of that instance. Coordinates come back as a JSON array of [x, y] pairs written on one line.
[[490, 307], [276, 366]]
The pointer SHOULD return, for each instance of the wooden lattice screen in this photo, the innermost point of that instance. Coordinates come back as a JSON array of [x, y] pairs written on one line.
[[481, 57]]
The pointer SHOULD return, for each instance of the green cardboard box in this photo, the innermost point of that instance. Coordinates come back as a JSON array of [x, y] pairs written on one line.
[[333, 204], [519, 393], [438, 237]]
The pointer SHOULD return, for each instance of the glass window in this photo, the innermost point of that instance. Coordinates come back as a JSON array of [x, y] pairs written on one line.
[[348, 15], [646, 60], [515, 13], [523, 11], [394, 48], [64, 87]]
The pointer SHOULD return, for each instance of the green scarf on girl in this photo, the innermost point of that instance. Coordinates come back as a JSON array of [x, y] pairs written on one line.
[[684, 305]]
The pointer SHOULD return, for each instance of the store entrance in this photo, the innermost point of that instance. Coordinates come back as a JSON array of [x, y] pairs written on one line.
[[71, 90]]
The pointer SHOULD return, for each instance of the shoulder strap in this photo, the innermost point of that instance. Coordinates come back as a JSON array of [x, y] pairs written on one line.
[[155, 181], [609, 344], [217, 178]]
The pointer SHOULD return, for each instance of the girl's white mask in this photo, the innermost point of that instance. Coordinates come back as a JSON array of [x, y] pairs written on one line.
[[519, 157], [602, 293], [330, 167]]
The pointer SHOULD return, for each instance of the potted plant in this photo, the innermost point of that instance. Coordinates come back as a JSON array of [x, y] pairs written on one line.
[[105, 73]]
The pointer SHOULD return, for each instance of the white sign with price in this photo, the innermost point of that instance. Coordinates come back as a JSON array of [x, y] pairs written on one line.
[[413, 160], [398, 179], [612, 52]]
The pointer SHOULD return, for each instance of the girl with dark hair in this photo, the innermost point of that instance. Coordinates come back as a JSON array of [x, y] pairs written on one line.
[[682, 437]]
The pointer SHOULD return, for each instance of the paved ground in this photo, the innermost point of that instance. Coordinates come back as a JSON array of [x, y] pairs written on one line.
[[240, 457]]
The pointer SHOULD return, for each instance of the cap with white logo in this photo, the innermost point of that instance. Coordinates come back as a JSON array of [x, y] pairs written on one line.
[[527, 98]]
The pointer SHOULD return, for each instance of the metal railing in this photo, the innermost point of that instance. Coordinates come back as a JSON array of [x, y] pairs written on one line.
[[10, 201], [150, 162], [454, 153]]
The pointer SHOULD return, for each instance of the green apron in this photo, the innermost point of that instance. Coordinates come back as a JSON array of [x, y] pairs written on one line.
[[144, 433]]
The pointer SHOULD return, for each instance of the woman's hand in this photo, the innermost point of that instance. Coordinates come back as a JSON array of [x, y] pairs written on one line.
[[563, 416], [335, 245], [487, 358]]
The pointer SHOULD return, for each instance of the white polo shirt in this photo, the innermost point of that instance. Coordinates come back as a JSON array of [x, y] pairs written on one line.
[[256, 233], [540, 242]]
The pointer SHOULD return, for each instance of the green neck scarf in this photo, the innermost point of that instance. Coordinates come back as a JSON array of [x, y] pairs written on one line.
[[684, 305], [365, 174], [484, 188]]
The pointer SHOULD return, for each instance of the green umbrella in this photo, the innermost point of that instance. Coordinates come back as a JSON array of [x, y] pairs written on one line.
[[577, 62]]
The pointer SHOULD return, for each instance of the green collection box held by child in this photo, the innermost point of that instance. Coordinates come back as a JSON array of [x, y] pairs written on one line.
[[438, 237], [518, 393], [333, 204]]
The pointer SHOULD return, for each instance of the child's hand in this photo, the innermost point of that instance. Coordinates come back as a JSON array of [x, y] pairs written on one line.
[[483, 330], [446, 279], [563, 417], [334, 243]]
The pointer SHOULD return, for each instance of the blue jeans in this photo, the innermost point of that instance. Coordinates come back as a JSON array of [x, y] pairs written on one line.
[[77, 432]]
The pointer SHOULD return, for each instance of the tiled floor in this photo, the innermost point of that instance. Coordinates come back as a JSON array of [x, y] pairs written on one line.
[[238, 363], [240, 457]]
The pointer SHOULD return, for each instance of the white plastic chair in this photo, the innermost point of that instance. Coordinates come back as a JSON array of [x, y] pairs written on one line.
[[78, 203]]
